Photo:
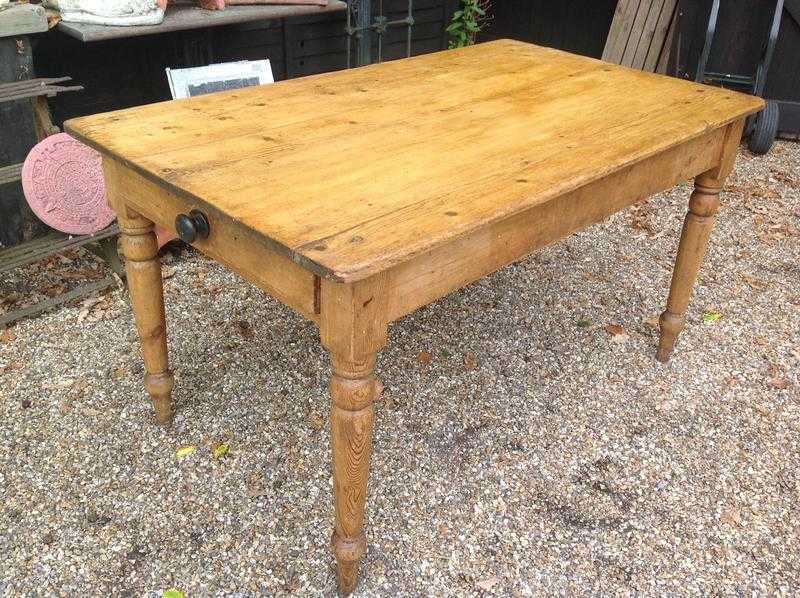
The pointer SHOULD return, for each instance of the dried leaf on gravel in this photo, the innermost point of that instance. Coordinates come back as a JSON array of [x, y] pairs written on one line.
[[244, 328], [168, 272], [255, 486], [765, 193], [470, 361], [487, 584], [754, 283], [731, 515], [652, 322], [780, 383], [220, 449], [185, 450], [14, 365], [424, 357], [784, 177], [614, 329], [762, 409], [316, 421], [8, 335]]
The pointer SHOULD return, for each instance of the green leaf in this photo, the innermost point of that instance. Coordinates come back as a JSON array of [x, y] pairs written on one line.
[[185, 450], [711, 316], [220, 450], [172, 593], [583, 323]]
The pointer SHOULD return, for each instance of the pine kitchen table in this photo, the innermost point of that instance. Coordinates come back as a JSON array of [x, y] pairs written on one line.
[[359, 196]]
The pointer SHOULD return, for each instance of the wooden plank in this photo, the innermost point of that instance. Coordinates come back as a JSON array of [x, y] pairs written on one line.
[[620, 31], [441, 271], [52, 243], [48, 304], [662, 37], [366, 180], [230, 243], [182, 18], [10, 174], [17, 135], [666, 49], [647, 37], [22, 19], [636, 31]]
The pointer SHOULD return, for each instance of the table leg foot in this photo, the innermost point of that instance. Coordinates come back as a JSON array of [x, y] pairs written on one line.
[[353, 391], [147, 300], [671, 325], [159, 387], [691, 250]]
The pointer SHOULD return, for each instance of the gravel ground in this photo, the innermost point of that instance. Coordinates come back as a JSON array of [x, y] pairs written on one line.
[[527, 442]]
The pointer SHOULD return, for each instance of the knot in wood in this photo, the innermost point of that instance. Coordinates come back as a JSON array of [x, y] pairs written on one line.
[[349, 549], [139, 247], [353, 395]]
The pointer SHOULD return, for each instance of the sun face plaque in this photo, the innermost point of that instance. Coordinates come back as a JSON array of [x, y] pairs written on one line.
[[63, 182]]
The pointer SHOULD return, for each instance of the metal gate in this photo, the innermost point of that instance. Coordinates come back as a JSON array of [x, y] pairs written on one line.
[[362, 25]]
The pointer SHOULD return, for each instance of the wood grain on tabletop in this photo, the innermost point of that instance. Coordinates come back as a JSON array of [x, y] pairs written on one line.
[[351, 173]]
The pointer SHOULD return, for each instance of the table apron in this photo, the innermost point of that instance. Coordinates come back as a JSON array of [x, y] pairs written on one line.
[[444, 269], [230, 243]]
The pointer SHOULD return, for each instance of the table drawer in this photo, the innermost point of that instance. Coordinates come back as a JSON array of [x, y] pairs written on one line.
[[228, 242]]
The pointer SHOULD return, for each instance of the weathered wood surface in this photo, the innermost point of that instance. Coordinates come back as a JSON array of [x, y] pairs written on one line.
[[697, 228], [140, 247], [493, 130], [34, 88], [10, 174], [436, 273], [22, 19], [529, 145], [353, 328], [17, 136], [184, 17], [639, 35], [230, 244]]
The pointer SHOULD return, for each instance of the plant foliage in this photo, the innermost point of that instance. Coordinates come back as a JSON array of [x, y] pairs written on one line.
[[467, 22]]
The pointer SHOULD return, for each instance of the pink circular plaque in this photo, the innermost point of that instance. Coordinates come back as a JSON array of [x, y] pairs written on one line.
[[63, 182]]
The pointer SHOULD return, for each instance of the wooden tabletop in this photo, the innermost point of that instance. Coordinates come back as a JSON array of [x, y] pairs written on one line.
[[181, 17], [350, 173]]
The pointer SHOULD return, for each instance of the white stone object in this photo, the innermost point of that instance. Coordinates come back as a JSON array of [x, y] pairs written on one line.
[[109, 12]]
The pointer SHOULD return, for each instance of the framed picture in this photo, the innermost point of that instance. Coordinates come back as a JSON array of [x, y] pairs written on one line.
[[200, 80]]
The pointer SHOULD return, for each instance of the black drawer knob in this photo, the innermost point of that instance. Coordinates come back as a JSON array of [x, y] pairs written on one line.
[[192, 226]]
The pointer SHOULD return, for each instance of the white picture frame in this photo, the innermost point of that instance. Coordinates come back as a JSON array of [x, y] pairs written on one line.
[[200, 80]]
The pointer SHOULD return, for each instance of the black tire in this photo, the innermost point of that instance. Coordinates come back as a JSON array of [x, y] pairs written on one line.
[[765, 129]]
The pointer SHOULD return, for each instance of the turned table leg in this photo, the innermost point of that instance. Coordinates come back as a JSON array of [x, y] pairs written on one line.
[[147, 299], [353, 390], [353, 327], [694, 239]]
